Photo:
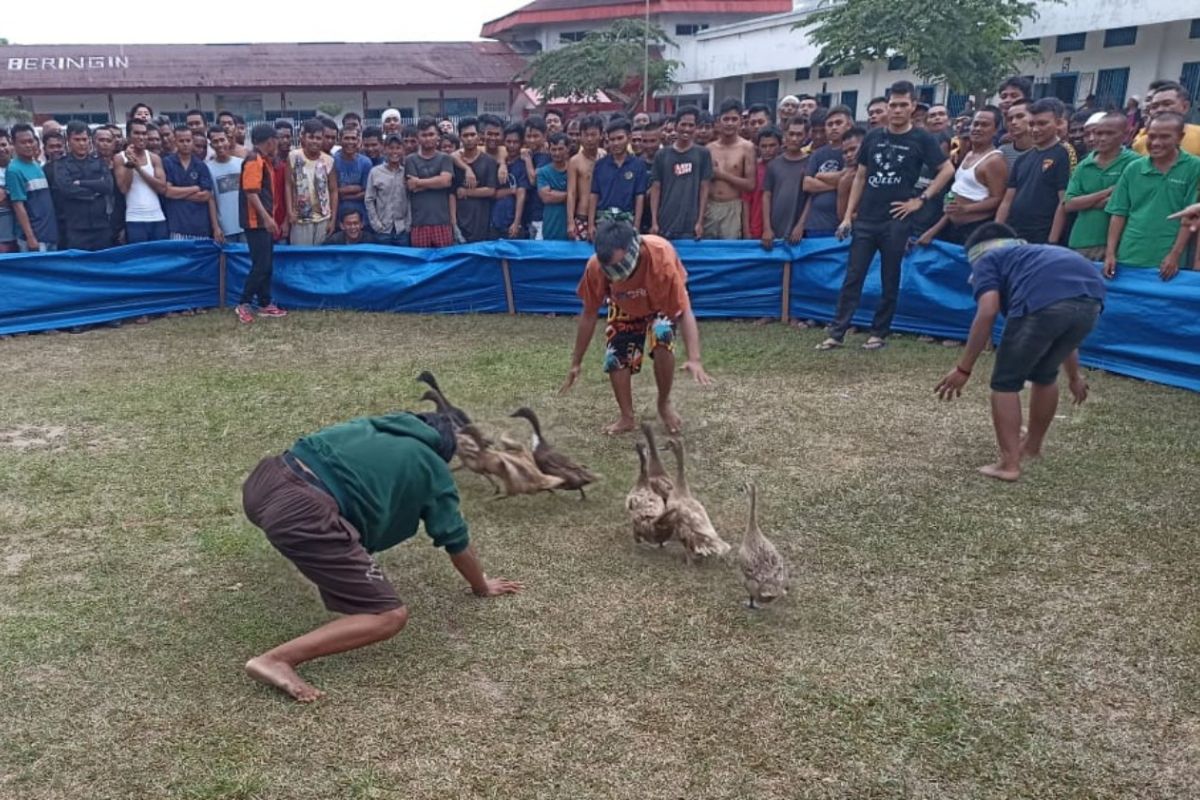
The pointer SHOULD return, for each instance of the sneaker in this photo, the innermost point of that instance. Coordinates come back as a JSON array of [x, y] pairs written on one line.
[[244, 314], [272, 310]]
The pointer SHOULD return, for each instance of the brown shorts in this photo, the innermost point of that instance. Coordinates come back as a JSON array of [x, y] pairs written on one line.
[[304, 524]]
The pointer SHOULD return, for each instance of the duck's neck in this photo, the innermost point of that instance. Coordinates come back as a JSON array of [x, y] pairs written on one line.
[[680, 479], [752, 525]]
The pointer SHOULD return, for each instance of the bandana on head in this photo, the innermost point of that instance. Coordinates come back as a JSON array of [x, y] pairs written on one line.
[[623, 269], [977, 252]]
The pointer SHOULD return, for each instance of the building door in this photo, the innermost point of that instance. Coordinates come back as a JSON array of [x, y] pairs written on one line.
[[1111, 85], [850, 100], [926, 93], [1190, 78], [762, 92], [1064, 85]]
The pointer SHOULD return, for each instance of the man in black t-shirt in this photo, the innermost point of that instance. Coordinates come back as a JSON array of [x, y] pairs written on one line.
[[1033, 203], [883, 198], [681, 176], [474, 210]]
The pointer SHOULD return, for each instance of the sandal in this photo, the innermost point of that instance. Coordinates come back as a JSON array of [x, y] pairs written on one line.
[[830, 344], [874, 343]]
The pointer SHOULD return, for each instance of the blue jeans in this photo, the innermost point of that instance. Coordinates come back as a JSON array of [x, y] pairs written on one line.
[[400, 239], [138, 232]]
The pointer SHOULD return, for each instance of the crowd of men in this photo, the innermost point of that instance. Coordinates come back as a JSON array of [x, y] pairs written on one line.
[[1102, 182]]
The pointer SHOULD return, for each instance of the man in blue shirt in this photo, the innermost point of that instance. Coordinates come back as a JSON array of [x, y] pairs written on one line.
[[620, 179], [29, 194], [509, 209], [189, 204], [353, 169], [1051, 298]]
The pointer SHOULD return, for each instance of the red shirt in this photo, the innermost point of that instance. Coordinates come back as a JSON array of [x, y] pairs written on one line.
[[279, 185], [754, 200], [657, 286]]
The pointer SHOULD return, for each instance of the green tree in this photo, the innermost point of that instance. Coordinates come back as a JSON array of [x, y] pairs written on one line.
[[609, 60], [10, 110], [969, 44]]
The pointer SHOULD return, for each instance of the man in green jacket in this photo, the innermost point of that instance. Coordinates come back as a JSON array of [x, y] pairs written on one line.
[[338, 496]]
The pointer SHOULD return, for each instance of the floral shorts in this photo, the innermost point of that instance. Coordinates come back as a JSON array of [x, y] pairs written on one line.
[[629, 337]]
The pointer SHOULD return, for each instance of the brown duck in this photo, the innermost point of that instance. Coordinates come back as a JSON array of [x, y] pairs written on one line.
[[574, 476], [514, 465], [685, 518], [764, 571], [645, 505]]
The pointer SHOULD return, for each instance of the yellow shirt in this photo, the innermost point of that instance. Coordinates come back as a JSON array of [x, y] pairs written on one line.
[[1191, 141]]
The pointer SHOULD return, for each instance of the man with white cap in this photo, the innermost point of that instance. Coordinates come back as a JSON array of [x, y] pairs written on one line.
[[391, 123], [788, 108], [1092, 183]]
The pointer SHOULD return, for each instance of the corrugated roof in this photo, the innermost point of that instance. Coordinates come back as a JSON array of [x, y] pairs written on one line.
[[80, 68], [540, 12]]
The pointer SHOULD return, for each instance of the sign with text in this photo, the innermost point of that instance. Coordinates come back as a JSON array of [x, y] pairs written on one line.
[[60, 63]]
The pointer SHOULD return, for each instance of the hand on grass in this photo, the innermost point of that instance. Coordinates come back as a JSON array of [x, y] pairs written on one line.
[[952, 384], [499, 586], [1079, 389], [572, 376], [697, 371]]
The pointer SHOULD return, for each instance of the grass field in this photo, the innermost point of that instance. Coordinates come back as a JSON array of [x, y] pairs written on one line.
[[946, 636]]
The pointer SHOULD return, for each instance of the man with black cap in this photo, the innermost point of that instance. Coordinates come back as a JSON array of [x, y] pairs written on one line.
[[645, 285], [336, 497]]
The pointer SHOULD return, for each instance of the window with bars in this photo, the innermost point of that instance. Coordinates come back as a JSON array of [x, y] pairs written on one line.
[[1120, 37], [824, 72], [689, 29], [852, 69], [849, 99], [1070, 42], [1195, 30], [803, 73]]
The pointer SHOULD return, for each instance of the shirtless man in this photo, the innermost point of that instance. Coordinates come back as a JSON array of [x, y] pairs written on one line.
[[579, 178], [733, 175]]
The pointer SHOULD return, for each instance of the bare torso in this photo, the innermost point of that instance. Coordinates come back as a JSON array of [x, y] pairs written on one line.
[[580, 167], [731, 159]]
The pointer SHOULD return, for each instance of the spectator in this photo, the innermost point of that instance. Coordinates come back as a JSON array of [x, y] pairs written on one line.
[[851, 143], [239, 126], [353, 121], [783, 192], [816, 131], [166, 134], [1012, 91], [552, 188], [651, 143], [770, 140], [877, 113], [1032, 206], [391, 122], [509, 210], [1077, 133], [29, 194], [1092, 185], [535, 157], [1062, 127], [733, 174], [1169, 98], [491, 130], [620, 181], [759, 116], [154, 140], [226, 171], [930, 214], [352, 171], [352, 231], [188, 202], [329, 136], [372, 144], [574, 136], [104, 142], [53, 148], [387, 198], [54, 145], [704, 128], [1150, 190], [937, 119], [882, 199], [980, 183], [8, 225], [474, 204], [789, 107], [312, 191], [554, 121], [580, 169], [284, 134], [228, 123], [198, 125], [680, 187], [449, 144], [824, 170], [409, 135], [641, 119], [140, 177], [83, 191], [919, 115], [1133, 118], [258, 223], [808, 104], [428, 178], [668, 133], [1020, 138]]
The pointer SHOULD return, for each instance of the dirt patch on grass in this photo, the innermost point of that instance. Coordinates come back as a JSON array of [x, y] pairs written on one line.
[[33, 437]]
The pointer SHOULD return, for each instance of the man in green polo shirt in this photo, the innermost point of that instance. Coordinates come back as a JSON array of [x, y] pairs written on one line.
[[1092, 184], [1150, 190], [338, 496]]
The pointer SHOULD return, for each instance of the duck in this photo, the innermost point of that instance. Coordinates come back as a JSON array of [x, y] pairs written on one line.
[[456, 414], [553, 462], [685, 517], [659, 481], [513, 465], [764, 571], [645, 505]]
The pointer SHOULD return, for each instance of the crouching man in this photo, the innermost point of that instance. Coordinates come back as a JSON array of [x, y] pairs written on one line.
[[645, 285], [336, 497], [1051, 298]]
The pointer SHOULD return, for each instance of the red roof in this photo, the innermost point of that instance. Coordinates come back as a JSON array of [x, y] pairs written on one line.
[[541, 12], [81, 68]]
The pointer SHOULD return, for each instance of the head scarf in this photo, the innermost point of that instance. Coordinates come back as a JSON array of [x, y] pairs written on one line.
[[980, 248], [623, 269], [445, 427]]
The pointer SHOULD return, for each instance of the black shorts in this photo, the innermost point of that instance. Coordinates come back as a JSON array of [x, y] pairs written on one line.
[[1034, 346], [306, 526]]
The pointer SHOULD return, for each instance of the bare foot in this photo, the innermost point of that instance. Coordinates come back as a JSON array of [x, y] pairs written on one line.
[[1000, 472], [280, 675], [671, 421], [623, 425]]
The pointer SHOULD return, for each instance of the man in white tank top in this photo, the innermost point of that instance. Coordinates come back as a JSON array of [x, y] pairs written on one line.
[[140, 177]]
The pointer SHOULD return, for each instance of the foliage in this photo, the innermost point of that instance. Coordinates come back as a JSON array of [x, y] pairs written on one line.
[[11, 111], [609, 60], [329, 109], [970, 44]]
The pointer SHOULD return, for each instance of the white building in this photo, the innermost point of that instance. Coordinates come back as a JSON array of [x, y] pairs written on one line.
[[1109, 48]]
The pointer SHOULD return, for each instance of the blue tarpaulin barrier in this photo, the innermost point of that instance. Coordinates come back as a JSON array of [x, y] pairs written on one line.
[[1149, 330]]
